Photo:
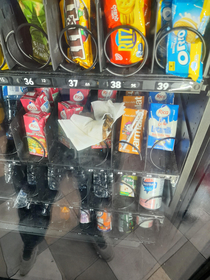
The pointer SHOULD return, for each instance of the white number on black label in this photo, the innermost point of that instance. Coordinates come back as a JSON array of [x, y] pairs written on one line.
[[116, 84], [162, 86], [73, 83], [28, 82]]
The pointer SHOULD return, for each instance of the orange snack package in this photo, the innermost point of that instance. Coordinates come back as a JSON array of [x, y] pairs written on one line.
[[126, 45], [131, 131], [134, 102]]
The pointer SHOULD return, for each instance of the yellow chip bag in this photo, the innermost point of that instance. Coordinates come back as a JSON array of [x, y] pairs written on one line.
[[78, 12], [5, 67]]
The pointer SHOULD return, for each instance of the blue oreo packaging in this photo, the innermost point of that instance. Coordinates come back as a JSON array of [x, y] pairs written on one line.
[[161, 97], [184, 48], [162, 123]]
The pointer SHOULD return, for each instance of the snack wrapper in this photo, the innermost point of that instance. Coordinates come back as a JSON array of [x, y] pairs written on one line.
[[134, 102], [132, 127], [79, 95], [33, 101], [5, 67], [78, 12], [66, 110], [126, 46], [51, 93], [34, 12], [34, 127], [161, 97], [162, 124], [105, 95], [164, 19], [185, 47]]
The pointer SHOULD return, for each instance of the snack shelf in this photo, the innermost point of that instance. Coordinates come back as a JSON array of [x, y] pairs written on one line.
[[142, 81]]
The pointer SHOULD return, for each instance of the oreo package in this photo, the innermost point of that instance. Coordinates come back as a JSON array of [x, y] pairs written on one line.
[[162, 124], [184, 48]]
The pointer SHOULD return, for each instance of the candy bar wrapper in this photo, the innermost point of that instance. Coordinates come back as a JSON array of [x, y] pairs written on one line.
[[134, 102], [126, 46], [78, 12], [131, 131], [34, 126], [162, 123], [184, 48], [161, 97], [34, 12]]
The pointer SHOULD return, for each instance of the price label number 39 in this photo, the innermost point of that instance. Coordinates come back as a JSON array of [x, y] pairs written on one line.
[[162, 86], [116, 84], [28, 81]]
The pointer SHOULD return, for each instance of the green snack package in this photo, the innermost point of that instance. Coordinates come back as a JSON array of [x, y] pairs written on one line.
[[35, 13], [127, 181]]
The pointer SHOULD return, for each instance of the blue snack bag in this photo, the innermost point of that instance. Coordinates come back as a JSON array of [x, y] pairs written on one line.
[[162, 123], [184, 48], [164, 20], [161, 97]]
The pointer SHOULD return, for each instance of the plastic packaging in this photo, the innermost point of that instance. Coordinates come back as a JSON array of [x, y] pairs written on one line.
[[126, 46], [31, 174], [34, 12], [184, 52], [78, 12], [21, 200]]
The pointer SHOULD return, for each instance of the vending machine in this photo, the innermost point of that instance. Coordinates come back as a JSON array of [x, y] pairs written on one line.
[[104, 121]]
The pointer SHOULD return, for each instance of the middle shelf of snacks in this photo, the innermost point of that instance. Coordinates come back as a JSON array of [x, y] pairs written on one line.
[[129, 133]]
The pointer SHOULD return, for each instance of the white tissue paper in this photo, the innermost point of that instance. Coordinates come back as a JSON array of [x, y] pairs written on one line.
[[85, 131]]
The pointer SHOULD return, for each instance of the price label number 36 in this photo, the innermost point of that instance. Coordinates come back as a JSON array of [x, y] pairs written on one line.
[[28, 81]]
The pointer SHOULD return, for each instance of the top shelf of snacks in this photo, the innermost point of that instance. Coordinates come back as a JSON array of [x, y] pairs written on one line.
[[105, 45]]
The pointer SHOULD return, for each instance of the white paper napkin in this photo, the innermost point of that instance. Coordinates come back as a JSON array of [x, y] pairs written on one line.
[[85, 131]]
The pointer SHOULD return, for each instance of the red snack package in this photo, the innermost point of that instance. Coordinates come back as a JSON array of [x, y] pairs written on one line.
[[66, 109], [79, 95], [34, 126], [32, 101], [126, 46], [51, 93], [107, 95]]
